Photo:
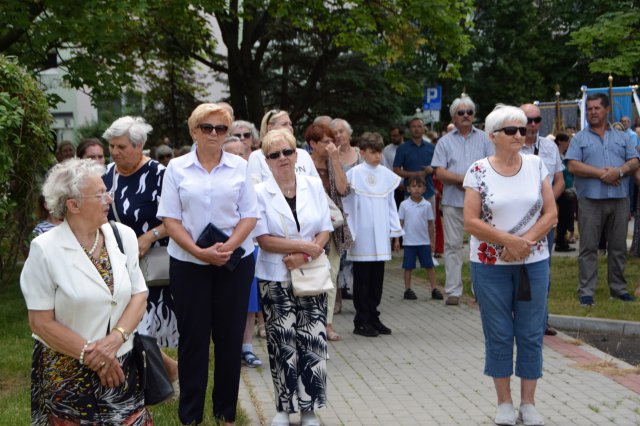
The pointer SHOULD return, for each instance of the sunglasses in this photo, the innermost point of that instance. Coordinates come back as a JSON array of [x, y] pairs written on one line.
[[162, 157], [536, 120], [512, 130], [464, 111], [242, 135], [275, 155], [207, 129]]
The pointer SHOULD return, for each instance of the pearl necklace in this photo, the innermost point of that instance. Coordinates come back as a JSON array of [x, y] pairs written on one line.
[[95, 243]]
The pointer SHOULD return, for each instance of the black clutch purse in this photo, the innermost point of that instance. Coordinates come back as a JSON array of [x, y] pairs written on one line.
[[212, 235], [153, 376]]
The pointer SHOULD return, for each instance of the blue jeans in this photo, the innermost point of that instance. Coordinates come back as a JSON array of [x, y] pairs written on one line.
[[504, 318]]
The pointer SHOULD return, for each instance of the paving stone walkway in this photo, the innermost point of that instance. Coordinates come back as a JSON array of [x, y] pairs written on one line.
[[429, 372]]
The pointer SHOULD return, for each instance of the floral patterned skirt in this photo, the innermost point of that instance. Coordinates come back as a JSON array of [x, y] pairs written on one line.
[[63, 392]]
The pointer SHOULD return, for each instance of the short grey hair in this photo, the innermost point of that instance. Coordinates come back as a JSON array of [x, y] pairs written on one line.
[[345, 123], [231, 139], [252, 128], [135, 128], [65, 180], [458, 102], [163, 150], [501, 114]]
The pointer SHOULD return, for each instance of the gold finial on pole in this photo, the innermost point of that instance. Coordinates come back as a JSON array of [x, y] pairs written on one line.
[[611, 98], [558, 126]]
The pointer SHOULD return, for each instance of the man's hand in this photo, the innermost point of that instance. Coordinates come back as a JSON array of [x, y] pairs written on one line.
[[611, 176]]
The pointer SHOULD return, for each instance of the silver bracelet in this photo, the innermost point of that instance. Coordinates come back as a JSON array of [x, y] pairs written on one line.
[[82, 352]]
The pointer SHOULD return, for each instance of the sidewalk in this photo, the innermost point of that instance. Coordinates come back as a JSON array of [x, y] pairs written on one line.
[[429, 372]]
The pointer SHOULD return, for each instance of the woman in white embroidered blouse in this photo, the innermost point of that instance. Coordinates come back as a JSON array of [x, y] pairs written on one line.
[[509, 209]]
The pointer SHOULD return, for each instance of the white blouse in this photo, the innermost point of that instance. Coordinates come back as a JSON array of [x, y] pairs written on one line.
[[196, 198], [509, 203]]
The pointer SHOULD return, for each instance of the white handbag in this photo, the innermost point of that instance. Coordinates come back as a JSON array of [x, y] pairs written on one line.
[[313, 278]]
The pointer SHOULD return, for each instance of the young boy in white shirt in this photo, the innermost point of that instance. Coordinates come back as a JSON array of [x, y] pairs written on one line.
[[372, 217], [416, 218]]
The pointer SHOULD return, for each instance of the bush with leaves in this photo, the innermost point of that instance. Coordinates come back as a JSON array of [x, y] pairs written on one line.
[[26, 153]]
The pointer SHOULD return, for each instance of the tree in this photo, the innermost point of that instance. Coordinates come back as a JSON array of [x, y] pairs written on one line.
[[256, 32], [521, 52], [26, 143], [108, 43], [612, 43], [171, 96]]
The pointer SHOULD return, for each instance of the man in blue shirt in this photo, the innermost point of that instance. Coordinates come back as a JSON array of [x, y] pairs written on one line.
[[601, 159], [413, 158], [455, 152]]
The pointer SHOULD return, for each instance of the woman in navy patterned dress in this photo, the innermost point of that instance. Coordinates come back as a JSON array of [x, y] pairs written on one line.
[[136, 183]]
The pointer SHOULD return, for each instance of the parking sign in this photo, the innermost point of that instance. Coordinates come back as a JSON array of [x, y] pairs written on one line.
[[432, 100]]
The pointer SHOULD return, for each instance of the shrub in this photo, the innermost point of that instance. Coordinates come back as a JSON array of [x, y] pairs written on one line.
[[26, 153]]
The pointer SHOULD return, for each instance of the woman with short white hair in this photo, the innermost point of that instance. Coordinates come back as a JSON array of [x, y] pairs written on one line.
[[85, 298], [247, 133], [509, 209], [135, 181]]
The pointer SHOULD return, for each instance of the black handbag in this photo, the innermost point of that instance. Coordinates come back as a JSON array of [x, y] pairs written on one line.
[[154, 378], [211, 235]]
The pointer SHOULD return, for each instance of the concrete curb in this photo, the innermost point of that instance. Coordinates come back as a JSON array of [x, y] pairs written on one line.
[[624, 328]]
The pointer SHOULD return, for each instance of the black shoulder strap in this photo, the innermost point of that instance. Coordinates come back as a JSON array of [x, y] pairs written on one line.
[[117, 235]]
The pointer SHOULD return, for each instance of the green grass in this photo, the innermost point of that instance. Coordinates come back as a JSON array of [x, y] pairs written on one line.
[[16, 345], [563, 299]]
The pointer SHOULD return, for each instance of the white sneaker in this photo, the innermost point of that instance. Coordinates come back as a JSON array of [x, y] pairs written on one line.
[[505, 414], [308, 418], [530, 416], [280, 419]]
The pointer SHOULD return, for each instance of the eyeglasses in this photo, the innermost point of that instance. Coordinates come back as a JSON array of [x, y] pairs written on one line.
[[512, 130], [242, 135], [275, 155], [462, 112], [207, 129], [536, 120], [105, 197]]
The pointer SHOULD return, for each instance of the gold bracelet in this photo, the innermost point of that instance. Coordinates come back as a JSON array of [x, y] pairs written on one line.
[[123, 333]]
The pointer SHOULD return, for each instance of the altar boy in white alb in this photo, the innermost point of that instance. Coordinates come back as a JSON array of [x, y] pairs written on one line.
[[372, 217]]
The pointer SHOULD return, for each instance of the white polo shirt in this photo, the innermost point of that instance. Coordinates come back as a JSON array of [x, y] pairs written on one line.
[[416, 217]]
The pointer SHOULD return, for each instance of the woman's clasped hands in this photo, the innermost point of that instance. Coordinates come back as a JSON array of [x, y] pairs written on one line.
[[100, 356], [308, 249], [517, 249]]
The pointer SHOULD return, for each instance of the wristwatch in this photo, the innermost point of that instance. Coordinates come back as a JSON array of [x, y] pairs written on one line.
[[156, 233], [621, 172], [125, 334]]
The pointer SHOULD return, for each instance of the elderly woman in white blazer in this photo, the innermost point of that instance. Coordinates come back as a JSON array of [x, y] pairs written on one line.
[[293, 229], [85, 297]]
